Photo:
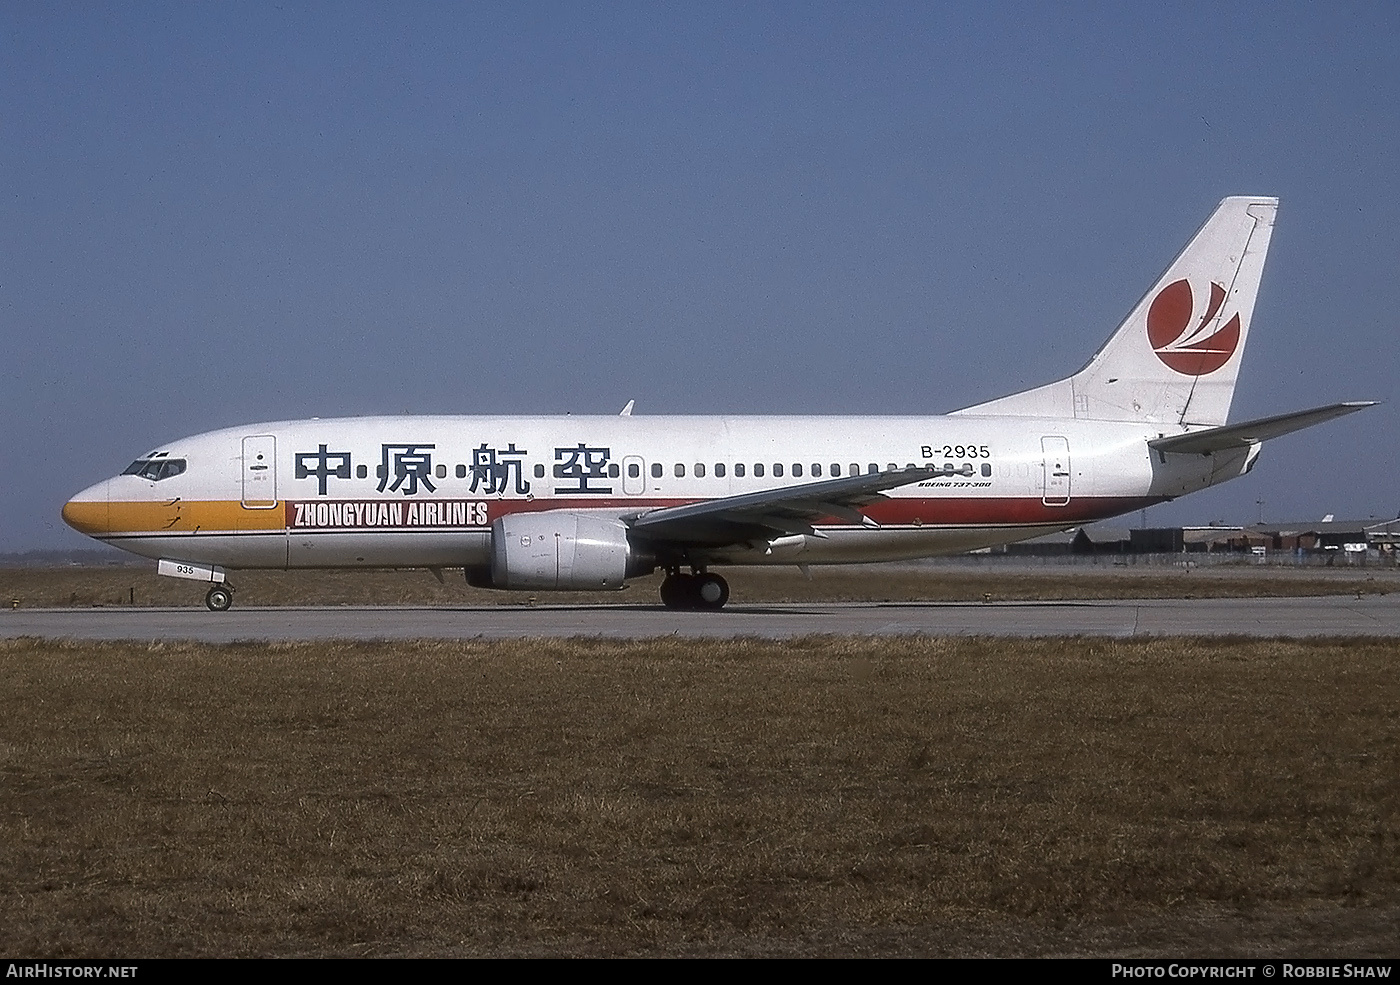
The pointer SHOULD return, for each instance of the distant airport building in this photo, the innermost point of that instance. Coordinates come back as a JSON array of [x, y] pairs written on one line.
[[1355, 540]]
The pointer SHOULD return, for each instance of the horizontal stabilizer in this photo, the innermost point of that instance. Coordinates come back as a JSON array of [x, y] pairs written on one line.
[[1253, 432]]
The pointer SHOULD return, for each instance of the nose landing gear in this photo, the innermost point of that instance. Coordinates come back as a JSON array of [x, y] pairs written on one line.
[[219, 598], [701, 590]]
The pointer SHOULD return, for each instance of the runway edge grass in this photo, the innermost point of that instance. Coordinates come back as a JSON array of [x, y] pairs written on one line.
[[825, 795]]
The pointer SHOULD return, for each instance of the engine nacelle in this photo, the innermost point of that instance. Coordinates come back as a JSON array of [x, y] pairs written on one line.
[[561, 550]]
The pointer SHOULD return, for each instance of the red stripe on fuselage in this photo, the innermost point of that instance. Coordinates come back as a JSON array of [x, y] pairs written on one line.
[[970, 511]]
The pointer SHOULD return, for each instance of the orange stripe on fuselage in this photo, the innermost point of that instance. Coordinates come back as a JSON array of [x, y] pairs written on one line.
[[175, 516]]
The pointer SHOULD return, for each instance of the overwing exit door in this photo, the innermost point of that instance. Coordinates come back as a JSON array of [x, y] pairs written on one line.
[[634, 476]]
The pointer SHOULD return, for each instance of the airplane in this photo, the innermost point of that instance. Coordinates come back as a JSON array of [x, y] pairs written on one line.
[[587, 502]]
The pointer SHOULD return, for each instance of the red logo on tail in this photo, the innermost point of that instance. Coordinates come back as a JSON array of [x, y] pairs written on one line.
[[1181, 346]]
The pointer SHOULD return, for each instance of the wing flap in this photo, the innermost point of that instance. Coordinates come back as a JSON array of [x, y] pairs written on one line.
[[783, 510]]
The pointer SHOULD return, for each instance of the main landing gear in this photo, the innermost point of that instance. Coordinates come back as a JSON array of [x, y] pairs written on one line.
[[701, 590], [219, 598]]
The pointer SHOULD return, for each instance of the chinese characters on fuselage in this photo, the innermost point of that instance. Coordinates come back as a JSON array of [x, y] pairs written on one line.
[[407, 468], [328, 464], [583, 465], [492, 470], [413, 463]]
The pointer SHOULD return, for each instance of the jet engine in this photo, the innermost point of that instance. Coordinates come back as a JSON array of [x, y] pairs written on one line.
[[555, 550]]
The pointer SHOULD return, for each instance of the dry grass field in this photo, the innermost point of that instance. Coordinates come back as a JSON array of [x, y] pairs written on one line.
[[824, 796], [116, 586]]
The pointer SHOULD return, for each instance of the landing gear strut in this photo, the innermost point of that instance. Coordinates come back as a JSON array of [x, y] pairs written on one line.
[[702, 590], [219, 598]]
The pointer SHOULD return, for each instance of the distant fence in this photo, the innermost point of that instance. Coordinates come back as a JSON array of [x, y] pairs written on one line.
[[1195, 559]]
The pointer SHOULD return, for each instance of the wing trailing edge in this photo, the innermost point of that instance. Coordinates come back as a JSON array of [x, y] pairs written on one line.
[[785, 510]]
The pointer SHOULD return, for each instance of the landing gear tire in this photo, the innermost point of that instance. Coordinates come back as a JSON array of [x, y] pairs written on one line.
[[703, 591], [219, 599], [710, 591], [676, 591]]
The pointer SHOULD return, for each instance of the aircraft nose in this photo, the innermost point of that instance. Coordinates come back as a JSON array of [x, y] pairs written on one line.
[[88, 511]]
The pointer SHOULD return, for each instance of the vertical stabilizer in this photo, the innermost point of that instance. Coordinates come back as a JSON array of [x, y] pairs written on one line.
[[1176, 357]]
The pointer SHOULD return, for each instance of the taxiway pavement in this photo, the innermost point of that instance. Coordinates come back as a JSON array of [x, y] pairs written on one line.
[[1335, 615]]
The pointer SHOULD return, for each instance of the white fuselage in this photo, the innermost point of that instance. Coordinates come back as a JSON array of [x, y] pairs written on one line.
[[424, 491]]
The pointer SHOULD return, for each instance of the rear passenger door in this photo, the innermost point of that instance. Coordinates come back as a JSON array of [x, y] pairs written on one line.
[[1055, 452]]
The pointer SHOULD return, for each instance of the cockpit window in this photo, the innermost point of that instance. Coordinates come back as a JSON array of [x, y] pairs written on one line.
[[156, 469]]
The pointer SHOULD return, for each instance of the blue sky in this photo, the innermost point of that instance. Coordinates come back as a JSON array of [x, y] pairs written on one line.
[[221, 214]]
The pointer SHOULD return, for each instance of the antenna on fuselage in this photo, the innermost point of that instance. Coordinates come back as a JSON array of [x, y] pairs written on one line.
[[627, 411]]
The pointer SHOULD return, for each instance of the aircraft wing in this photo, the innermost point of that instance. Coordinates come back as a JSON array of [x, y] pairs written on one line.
[[1253, 432], [774, 512]]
